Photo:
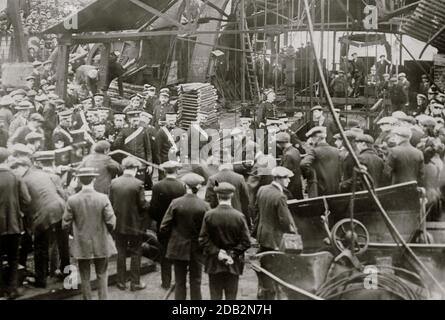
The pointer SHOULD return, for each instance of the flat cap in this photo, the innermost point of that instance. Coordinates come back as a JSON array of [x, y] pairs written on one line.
[[387, 120], [24, 105], [36, 64], [364, 138], [53, 96], [131, 163], [420, 95], [224, 188], [133, 113], [282, 172], [192, 179], [318, 107], [6, 101], [31, 93], [315, 130], [59, 101], [65, 113], [400, 115], [425, 120], [282, 137], [30, 78], [402, 74], [44, 155], [18, 92], [33, 136], [136, 95], [146, 115], [171, 165], [87, 172], [101, 146], [37, 117], [20, 148], [270, 121], [165, 90], [41, 98], [4, 154], [402, 132], [165, 94], [51, 87]]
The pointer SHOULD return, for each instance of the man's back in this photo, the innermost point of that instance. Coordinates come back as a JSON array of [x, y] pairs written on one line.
[[274, 217], [163, 193], [128, 200], [326, 162], [92, 216], [240, 200], [406, 164], [106, 167]]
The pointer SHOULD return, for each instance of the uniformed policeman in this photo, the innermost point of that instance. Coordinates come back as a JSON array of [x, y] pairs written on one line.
[[115, 128], [61, 136], [135, 103], [161, 108], [149, 98], [224, 238]]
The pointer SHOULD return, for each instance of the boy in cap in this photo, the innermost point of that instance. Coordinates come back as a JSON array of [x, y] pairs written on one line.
[[369, 158], [182, 224], [224, 238], [164, 192], [92, 218], [128, 199]]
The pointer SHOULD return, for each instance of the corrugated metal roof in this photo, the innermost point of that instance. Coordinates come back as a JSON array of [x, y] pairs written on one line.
[[109, 15], [426, 21]]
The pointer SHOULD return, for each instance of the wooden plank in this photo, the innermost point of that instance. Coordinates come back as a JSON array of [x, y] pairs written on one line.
[[62, 70], [157, 13], [104, 64], [13, 10]]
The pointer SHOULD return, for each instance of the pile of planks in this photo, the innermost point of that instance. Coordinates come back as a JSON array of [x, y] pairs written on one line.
[[197, 98]]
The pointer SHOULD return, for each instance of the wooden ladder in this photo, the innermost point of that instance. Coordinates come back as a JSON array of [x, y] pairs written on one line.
[[251, 74]]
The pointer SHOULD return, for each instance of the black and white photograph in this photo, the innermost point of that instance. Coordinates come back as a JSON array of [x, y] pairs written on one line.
[[241, 150]]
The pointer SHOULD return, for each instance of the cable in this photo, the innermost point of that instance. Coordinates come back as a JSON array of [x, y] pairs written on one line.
[[391, 227]]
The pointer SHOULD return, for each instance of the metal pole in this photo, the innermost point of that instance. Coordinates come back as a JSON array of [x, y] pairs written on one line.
[[391, 227], [243, 41]]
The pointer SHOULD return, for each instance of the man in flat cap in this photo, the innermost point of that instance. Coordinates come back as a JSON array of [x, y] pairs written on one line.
[[224, 238], [291, 159], [404, 162], [46, 207], [34, 141], [129, 204], [164, 192], [182, 224], [92, 218], [386, 124], [273, 220], [14, 197], [240, 197], [106, 167], [34, 125], [320, 119], [21, 117], [369, 158], [422, 103], [322, 165], [358, 73]]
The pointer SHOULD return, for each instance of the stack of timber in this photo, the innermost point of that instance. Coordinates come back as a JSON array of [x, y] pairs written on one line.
[[197, 98]]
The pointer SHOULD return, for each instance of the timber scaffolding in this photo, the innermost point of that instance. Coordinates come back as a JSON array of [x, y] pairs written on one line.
[[250, 34]]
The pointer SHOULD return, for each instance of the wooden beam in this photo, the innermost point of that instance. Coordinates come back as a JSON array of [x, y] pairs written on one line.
[[156, 12], [104, 64], [63, 57], [400, 11], [21, 46], [218, 9], [153, 19]]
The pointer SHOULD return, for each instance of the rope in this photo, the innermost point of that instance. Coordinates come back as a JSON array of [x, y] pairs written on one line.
[[391, 227]]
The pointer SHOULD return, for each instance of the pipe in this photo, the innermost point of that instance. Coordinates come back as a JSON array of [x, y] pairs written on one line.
[[391, 227]]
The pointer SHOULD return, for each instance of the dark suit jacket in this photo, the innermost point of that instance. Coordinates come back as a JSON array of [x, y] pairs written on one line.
[[374, 164], [240, 200], [14, 199], [325, 161], [183, 221], [405, 164], [107, 168], [47, 204], [140, 146], [274, 217], [163, 194], [128, 200], [224, 228], [291, 159]]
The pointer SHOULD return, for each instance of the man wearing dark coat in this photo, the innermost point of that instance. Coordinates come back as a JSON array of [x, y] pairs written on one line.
[[240, 198], [14, 199], [322, 165], [273, 220], [164, 192], [369, 158], [291, 159], [107, 168], [224, 238], [161, 108], [182, 222], [129, 204], [404, 162], [319, 119], [46, 208]]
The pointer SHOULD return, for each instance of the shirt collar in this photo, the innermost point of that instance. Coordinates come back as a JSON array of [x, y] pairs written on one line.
[[277, 185]]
